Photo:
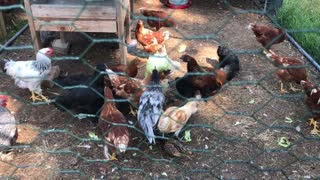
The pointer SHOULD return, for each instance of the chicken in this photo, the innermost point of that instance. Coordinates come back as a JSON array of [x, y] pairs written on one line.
[[8, 128], [313, 102], [150, 106], [174, 118], [130, 70], [29, 74], [174, 148], [116, 135], [289, 70], [128, 88], [151, 41], [227, 59], [87, 99], [267, 36], [208, 83], [158, 19], [79, 79]]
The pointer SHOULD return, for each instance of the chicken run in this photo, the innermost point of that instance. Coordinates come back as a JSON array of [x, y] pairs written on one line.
[[221, 94]]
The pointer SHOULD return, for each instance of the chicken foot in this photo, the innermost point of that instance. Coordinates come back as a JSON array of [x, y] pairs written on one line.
[[133, 112], [293, 88], [315, 129], [107, 155], [282, 90], [39, 97]]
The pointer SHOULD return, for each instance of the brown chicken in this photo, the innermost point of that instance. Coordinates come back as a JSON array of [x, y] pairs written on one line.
[[151, 41], [267, 36], [158, 19], [313, 102], [131, 69], [290, 71], [117, 137]]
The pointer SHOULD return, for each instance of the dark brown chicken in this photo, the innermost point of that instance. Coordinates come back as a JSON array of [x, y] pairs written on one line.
[[267, 36], [131, 69], [117, 135], [197, 79], [151, 41], [313, 102], [158, 18], [290, 71]]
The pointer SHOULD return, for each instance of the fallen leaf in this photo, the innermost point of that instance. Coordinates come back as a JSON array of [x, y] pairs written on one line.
[[182, 48], [187, 136], [92, 135], [252, 101], [284, 142], [288, 120]]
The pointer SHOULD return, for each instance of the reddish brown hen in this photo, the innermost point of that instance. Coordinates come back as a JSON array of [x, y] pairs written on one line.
[[289, 71], [151, 41], [313, 102], [267, 36], [131, 69], [158, 18], [117, 137]]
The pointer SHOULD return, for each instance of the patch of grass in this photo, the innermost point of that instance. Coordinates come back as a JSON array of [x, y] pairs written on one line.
[[303, 15]]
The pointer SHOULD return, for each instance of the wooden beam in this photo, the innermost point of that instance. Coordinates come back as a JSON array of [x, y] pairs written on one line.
[[121, 31], [76, 12], [34, 34], [3, 31], [76, 26]]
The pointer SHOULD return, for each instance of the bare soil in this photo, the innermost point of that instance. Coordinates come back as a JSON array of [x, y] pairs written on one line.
[[234, 135]]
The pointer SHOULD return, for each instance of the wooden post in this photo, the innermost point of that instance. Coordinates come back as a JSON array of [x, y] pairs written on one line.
[[121, 32], [35, 35], [3, 31]]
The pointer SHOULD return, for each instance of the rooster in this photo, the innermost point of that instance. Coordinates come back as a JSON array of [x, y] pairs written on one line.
[[8, 128], [150, 106], [115, 134], [151, 41], [289, 70], [267, 36], [313, 102], [29, 74], [157, 19]]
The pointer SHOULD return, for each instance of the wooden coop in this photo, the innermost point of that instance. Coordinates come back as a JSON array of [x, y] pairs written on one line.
[[103, 16]]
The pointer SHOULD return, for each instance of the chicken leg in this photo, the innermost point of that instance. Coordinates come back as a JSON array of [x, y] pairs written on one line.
[[133, 112], [315, 129], [113, 157], [293, 88], [39, 97], [282, 90]]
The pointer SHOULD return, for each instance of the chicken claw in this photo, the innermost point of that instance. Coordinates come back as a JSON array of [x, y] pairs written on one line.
[[282, 90], [293, 88], [113, 157], [133, 112], [315, 129], [38, 97]]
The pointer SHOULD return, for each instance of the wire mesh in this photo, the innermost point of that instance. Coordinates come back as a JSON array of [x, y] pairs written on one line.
[[247, 130]]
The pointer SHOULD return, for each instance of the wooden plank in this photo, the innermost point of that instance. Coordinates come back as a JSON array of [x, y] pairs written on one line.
[[76, 26], [74, 11], [34, 34], [3, 31], [121, 32]]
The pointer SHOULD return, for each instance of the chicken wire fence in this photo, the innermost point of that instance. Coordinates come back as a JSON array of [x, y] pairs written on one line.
[[247, 130]]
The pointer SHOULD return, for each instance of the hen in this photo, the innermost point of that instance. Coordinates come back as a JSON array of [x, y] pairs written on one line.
[[87, 99], [29, 74], [267, 36], [150, 106], [197, 79], [174, 118], [289, 70], [130, 70], [8, 128], [313, 102], [117, 136], [157, 19], [151, 41]]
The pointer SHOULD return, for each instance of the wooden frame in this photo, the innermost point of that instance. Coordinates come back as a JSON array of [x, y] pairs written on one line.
[[111, 17]]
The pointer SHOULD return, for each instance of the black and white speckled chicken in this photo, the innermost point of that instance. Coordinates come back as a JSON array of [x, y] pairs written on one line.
[[150, 106], [7, 125]]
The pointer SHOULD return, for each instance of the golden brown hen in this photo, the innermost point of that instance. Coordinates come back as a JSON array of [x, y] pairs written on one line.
[[151, 41], [289, 72], [313, 102], [131, 69], [267, 36], [158, 18], [117, 137]]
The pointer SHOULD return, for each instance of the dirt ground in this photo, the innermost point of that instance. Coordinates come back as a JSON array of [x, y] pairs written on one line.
[[234, 135]]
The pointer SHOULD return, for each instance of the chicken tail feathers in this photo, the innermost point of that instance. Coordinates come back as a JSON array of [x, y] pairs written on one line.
[[150, 135]]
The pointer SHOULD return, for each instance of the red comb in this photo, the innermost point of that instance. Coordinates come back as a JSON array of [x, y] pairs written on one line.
[[4, 97]]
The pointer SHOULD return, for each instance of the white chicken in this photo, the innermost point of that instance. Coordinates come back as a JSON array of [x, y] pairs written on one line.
[[29, 74]]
